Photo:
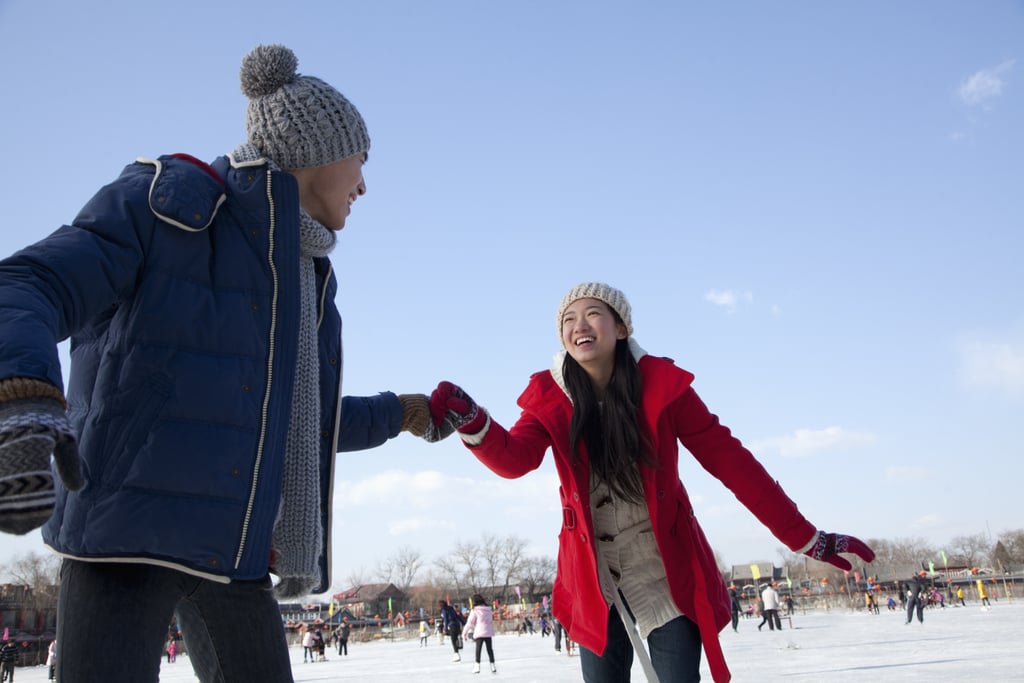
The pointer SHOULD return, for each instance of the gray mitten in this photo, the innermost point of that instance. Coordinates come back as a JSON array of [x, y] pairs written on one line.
[[30, 430]]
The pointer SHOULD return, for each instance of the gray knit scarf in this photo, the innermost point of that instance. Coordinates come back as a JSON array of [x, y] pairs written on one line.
[[297, 538]]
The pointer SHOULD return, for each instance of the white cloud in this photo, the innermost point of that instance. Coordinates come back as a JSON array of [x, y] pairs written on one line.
[[997, 365], [930, 521], [413, 488], [727, 298], [984, 85], [901, 475], [398, 527], [406, 502], [807, 442]]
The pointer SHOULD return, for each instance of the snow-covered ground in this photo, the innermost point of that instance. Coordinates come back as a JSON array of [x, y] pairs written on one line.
[[953, 644]]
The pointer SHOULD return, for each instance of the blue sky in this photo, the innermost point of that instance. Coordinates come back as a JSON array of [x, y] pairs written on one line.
[[814, 207]]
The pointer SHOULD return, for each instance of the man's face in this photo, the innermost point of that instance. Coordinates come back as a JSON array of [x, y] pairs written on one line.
[[328, 192]]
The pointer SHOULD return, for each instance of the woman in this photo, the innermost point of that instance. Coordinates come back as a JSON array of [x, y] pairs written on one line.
[[480, 625], [630, 550]]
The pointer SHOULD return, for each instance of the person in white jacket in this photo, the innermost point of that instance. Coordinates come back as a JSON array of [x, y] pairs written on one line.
[[480, 626], [307, 646], [770, 608]]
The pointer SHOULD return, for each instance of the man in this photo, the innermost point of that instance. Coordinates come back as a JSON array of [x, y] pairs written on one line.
[[8, 660], [734, 607], [770, 611], [915, 599], [342, 634], [452, 627], [204, 407]]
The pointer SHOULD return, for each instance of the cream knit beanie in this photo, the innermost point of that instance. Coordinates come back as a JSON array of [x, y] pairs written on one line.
[[602, 292]]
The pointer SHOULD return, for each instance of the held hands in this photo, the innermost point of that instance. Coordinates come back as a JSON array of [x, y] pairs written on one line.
[[30, 430], [827, 546], [417, 420], [450, 402]]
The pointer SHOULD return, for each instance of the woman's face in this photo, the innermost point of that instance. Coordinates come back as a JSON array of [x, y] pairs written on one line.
[[590, 333]]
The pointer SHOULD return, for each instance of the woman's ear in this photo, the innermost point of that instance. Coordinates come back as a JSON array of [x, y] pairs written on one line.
[[620, 331]]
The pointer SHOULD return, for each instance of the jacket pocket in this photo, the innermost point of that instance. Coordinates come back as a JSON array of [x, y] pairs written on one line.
[[141, 408]]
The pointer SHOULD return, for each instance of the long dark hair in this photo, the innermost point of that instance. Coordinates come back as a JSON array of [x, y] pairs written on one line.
[[615, 441]]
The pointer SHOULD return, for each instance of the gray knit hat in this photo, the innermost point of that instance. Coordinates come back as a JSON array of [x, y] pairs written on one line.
[[298, 121], [602, 292]]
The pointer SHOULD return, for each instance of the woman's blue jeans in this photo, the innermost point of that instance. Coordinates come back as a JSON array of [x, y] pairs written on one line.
[[113, 620], [674, 647]]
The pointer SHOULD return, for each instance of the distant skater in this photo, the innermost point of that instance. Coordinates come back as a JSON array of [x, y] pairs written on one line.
[[480, 626], [915, 602]]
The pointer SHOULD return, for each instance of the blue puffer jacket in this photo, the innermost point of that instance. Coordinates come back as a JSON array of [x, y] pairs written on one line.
[[178, 285]]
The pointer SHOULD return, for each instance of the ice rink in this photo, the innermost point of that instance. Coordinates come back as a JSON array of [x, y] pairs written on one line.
[[953, 644]]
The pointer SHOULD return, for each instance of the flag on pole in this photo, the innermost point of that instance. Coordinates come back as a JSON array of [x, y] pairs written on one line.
[[931, 567], [330, 609], [789, 582], [755, 572], [945, 562], [389, 604]]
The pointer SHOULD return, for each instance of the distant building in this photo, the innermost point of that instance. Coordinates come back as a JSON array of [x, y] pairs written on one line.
[[25, 610], [372, 600]]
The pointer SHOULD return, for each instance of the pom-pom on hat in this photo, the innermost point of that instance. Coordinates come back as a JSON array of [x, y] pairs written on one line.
[[298, 121], [602, 292]]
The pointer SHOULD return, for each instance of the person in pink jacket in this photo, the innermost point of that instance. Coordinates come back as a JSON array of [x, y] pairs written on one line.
[[480, 626], [633, 562]]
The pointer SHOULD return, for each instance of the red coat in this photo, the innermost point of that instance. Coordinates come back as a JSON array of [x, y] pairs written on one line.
[[673, 413]]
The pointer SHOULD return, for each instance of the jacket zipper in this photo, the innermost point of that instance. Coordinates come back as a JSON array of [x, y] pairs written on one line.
[[270, 375]]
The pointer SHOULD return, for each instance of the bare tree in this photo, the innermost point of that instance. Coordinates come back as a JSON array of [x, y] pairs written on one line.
[[40, 576], [407, 563], [970, 550], [1000, 557], [35, 570], [901, 551], [385, 570], [538, 574], [492, 552], [356, 578], [795, 565], [513, 557], [723, 568], [1013, 543], [470, 557], [460, 567]]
